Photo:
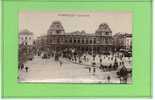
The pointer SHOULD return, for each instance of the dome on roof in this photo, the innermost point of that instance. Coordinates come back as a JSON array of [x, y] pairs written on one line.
[[103, 29], [83, 32], [56, 28], [25, 32]]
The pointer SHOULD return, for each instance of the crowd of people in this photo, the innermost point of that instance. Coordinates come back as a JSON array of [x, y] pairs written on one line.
[[94, 61], [106, 63]]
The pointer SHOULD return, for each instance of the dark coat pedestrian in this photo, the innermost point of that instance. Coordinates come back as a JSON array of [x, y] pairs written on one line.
[[26, 68], [101, 67], [22, 66], [89, 69], [100, 60], [18, 67], [110, 67], [108, 78], [94, 70]]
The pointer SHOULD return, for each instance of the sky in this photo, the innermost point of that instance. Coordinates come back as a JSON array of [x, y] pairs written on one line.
[[38, 22]]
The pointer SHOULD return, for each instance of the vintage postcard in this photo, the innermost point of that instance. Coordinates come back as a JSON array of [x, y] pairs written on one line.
[[75, 47]]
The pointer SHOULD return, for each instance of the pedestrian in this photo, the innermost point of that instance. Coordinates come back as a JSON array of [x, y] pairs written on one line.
[[108, 78], [103, 69], [22, 66], [89, 69], [93, 57], [18, 67], [94, 70], [125, 79], [100, 60], [60, 63], [120, 63], [26, 68], [110, 67], [85, 58]]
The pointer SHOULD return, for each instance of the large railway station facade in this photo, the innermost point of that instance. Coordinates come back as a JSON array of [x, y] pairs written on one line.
[[79, 41]]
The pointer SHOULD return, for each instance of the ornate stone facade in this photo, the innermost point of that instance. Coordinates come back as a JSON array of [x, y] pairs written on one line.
[[99, 42]]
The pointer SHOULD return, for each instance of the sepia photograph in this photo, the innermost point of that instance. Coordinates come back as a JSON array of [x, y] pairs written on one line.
[[75, 47]]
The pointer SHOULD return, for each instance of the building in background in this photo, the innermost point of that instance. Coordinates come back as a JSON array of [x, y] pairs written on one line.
[[41, 42], [80, 41], [26, 46], [122, 41], [128, 42], [26, 37]]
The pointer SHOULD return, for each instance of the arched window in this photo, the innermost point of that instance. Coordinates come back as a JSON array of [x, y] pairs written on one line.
[[106, 41], [83, 41], [106, 33], [70, 40], [90, 41], [58, 31], [94, 40], [86, 41], [58, 40], [65, 40], [78, 40], [74, 40]]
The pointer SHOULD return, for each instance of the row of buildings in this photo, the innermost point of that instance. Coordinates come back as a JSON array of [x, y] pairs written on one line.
[[26, 37], [122, 41], [101, 41]]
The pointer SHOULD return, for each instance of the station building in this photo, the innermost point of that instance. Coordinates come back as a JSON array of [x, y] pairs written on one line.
[[80, 41]]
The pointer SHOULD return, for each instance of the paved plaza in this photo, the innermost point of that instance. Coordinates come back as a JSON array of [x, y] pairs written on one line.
[[49, 70]]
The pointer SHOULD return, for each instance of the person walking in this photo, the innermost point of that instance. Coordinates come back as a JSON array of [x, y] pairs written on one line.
[[110, 67], [108, 78], [60, 63], [22, 66], [100, 60], [89, 68], [101, 67], [84, 58], [26, 68], [94, 70], [94, 67], [104, 68]]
